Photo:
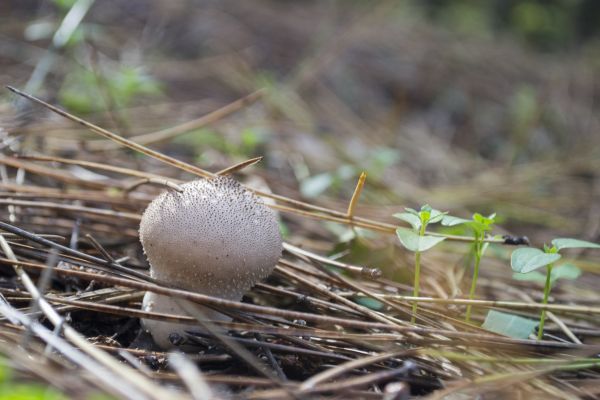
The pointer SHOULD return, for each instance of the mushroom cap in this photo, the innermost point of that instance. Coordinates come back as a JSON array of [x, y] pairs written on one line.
[[214, 237]]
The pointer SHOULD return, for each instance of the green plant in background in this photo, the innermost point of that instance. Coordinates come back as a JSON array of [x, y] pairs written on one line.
[[525, 261], [416, 240], [315, 185], [91, 83], [480, 226], [64, 5], [11, 390], [548, 25], [375, 162], [204, 142], [81, 91]]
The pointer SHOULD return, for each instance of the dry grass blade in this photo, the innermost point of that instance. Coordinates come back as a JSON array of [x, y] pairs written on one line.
[[239, 166], [296, 315]]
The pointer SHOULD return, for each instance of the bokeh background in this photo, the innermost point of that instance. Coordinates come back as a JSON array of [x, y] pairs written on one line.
[[487, 106]]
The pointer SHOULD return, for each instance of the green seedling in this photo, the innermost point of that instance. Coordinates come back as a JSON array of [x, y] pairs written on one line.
[[480, 226], [415, 239], [525, 261]]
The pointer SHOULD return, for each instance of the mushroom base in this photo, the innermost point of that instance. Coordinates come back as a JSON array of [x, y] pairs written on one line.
[[160, 331]]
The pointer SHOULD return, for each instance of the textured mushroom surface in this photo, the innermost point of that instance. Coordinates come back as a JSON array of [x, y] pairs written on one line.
[[214, 238]]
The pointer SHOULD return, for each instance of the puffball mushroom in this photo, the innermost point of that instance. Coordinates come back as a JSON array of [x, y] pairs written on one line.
[[215, 238]]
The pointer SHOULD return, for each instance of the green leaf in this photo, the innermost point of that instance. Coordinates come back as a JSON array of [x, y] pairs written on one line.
[[567, 243], [528, 259], [32, 391], [379, 159], [411, 211], [565, 271], [436, 216], [64, 5], [508, 324], [283, 229], [315, 185], [413, 242], [368, 302], [484, 248], [533, 276], [487, 221], [5, 372], [411, 218], [426, 207], [449, 220], [481, 224], [251, 139]]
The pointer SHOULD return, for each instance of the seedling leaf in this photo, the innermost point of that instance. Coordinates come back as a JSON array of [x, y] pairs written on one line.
[[567, 243], [508, 324], [315, 185], [411, 211], [528, 259], [436, 216], [450, 220], [533, 276], [368, 302], [565, 271], [411, 218], [413, 242], [484, 248]]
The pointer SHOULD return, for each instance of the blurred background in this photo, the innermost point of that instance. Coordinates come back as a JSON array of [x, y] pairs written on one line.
[[470, 106]]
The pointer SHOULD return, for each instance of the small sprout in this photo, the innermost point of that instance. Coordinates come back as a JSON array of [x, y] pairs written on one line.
[[480, 226], [214, 238], [416, 241], [525, 261]]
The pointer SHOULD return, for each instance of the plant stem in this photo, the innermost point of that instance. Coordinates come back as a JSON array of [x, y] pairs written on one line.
[[545, 301], [416, 284], [475, 276], [417, 275]]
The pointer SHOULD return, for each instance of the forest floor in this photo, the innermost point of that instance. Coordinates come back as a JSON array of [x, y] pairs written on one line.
[[322, 93]]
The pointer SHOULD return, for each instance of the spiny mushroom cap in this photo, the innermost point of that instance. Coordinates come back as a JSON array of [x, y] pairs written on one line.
[[215, 237]]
